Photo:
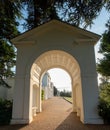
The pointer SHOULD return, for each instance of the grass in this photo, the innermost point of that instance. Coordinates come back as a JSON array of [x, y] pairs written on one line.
[[68, 99]]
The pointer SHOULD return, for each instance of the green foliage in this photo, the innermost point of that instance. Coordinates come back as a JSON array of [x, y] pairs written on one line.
[[7, 58], [65, 93], [42, 94], [103, 67], [5, 111], [104, 102], [107, 5], [105, 92], [80, 12], [104, 111], [55, 91], [7, 61], [105, 43], [9, 12]]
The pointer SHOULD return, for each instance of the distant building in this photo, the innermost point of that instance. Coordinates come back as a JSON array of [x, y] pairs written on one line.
[[47, 86]]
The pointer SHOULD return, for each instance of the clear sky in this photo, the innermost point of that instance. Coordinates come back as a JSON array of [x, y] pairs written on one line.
[[59, 77]]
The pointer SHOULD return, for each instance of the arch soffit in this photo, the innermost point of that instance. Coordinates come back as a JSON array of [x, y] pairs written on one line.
[[58, 59]]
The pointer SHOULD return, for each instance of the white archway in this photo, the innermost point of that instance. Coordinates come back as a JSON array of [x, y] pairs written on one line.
[[61, 59], [56, 44]]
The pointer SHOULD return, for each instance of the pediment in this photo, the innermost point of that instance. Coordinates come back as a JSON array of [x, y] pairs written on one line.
[[56, 28]]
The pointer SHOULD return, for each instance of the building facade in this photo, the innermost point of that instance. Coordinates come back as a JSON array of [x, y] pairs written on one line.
[[47, 86]]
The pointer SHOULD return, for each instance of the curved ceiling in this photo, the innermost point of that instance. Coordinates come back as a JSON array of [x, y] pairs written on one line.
[[60, 59]]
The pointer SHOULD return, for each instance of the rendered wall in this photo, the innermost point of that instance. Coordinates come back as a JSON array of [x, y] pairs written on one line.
[[61, 37]]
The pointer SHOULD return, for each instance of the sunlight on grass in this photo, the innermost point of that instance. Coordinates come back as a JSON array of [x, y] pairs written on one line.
[[68, 99]]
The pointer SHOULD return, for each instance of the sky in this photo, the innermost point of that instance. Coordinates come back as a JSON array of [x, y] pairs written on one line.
[[99, 28], [59, 77]]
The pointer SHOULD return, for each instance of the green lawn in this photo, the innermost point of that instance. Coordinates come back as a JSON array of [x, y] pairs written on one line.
[[68, 99]]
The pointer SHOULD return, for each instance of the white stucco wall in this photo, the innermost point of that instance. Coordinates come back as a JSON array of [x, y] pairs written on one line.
[[58, 38]]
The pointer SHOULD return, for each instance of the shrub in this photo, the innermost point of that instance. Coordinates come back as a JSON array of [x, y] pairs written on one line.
[[65, 93], [104, 111], [42, 95], [5, 111], [104, 102]]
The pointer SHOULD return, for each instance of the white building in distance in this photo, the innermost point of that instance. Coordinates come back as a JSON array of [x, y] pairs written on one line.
[[47, 86]]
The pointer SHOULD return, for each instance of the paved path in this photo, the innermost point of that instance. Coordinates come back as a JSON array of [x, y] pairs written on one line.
[[57, 115]]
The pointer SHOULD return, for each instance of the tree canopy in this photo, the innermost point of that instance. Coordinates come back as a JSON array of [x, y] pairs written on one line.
[[80, 12], [9, 12], [103, 66]]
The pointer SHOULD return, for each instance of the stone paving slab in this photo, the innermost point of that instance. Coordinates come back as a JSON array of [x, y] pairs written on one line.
[[57, 115]]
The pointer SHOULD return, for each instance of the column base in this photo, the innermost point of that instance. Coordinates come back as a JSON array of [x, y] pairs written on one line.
[[92, 121], [74, 109], [20, 121]]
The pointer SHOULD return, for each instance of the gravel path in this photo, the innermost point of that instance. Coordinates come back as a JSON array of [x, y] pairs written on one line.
[[57, 115]]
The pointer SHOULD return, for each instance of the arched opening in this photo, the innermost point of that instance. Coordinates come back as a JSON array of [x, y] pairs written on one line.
[[63, 60], [56, 82]]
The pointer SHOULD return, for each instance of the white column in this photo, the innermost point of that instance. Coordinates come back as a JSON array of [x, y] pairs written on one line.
[[17, 112], [90, 100], [39, 99], [74, 98], [22, 102]]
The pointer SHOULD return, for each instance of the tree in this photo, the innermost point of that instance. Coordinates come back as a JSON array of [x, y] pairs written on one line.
[[55, 91], [80, 12], [104, 101], [9, 12], [65, 93], [7, 61], [103, 66]]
